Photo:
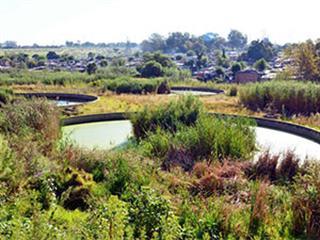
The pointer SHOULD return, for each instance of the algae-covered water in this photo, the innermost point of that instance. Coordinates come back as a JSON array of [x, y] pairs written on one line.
[[107, 135]]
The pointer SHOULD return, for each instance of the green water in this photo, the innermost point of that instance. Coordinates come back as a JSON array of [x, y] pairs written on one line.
[[101, 135], [107, 135]]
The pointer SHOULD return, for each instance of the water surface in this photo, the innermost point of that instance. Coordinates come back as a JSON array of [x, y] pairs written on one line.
[[65, 103], [192, 92], [107, 135], [101, 135], [278, 141]]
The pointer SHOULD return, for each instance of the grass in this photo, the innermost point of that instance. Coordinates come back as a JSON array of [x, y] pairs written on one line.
[[285, 97], [181, 133], [76, 52]]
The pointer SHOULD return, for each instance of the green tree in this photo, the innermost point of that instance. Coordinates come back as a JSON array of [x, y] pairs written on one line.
[[236, 67], [156, 42], [164, 60], [176, 42], [261, 65], [92, 68], [151, 69], [236, 39], [52, 55], [307, 61], [220, 72], [214, 41], [260, 49]]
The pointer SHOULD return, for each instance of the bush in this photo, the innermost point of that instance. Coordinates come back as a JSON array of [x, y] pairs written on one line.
[[219, 178], [148, 212], [91, 68], [167, 117], [233, 91], [259, 211], [8, 167], [177, 75], [305, 203], [151, 69], [134, 86], [21, 77], [275, 168], [6, 96], [119, 176], [75, 189], [163, 88], [35, 116], [113, 72], [110, 220], [261, 65]]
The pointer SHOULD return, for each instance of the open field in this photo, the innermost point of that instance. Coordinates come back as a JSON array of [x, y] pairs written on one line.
[[76, 52]]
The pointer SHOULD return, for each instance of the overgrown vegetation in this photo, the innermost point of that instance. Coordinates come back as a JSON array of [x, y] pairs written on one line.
[[135, 86], [181, 133], [187, 176], [285, 97]]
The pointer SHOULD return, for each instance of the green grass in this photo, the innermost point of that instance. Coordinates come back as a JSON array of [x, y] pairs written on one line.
[[285, 97], [182, 130]]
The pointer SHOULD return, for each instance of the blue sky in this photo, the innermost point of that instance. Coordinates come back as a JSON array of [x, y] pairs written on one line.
[[55, 21]]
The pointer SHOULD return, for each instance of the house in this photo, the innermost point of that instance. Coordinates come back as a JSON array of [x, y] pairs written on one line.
[[248, 75]]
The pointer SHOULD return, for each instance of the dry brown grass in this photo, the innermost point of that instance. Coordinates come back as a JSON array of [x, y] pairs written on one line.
[[259, 208], [312, 121]]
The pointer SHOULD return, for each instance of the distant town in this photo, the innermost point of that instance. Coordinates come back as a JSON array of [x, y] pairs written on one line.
[[209, 57]]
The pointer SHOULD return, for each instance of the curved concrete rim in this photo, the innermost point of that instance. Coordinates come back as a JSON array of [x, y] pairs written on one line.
[[81, 98], [200, 89], [305, 132]]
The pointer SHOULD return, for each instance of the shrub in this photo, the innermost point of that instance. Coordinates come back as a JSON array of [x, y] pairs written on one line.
[[134, 86], [266, 167], [147, 212], [114, 72], [305, 203], [233, 91], [275, 168], [219, 138], [157, 144], [91, 68], [178, 157], [74, 189], [38, 118], [288, 167], [220, 178], [163, 88], [261, 65], [119, 176], [177, 75], [110, 220], [151, 69], [167, 117], [5, 96], [9, 168]]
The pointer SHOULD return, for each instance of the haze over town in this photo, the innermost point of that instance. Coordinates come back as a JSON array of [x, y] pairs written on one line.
[[54, 22]]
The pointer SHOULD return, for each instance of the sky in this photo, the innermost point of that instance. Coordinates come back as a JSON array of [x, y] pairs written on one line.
[[55, 21]]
